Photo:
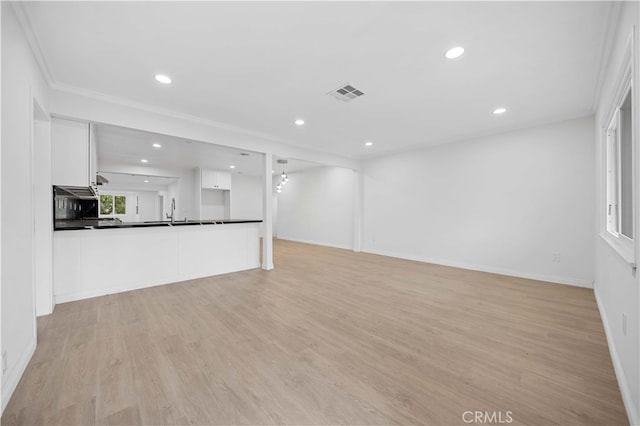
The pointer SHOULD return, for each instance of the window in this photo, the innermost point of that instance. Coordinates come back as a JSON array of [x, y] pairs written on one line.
[[620, 208], [121, 204], [106, 205], [112, 205]]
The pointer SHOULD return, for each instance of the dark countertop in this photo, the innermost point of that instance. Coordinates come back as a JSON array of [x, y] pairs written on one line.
[[111, 224]]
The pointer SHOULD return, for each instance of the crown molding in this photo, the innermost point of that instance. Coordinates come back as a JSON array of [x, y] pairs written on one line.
[[473, 136], [32, 40], [606, 46]]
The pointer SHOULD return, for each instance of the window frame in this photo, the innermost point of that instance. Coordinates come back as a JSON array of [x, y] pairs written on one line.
[[624, 246], [113, 214]]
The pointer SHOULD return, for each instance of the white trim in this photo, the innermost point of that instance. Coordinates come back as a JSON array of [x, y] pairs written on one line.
[[317, 243], [577, 282], [32, 40], [618, 251], [624, 84], [472, 136], [11, 380], [32, 212], [627, 398]]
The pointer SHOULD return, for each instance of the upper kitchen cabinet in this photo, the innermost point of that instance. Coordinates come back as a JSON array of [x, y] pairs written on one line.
[[213, 179], [71, 153]]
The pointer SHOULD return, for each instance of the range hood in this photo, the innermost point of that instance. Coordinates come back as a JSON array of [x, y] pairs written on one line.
[[101, 180], [80, 192]]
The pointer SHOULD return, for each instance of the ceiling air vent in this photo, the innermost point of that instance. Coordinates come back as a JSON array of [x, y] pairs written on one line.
[[346, 93]]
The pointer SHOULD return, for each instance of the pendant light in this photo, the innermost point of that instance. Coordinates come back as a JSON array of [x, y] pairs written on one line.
[[283, 177]]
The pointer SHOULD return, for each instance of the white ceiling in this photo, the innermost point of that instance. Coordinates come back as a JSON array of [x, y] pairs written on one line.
[[119, 181], [261, 65]]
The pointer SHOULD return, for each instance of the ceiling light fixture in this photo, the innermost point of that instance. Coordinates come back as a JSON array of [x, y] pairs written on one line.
[[499, 111], [146, 181], [232, 166], [156, 145], [299, 122], [144, 160], [368, 143], [454, 52], [163, 79], [283, 177]]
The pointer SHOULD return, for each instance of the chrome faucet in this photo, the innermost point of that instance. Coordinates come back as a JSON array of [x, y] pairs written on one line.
[[173, 210]]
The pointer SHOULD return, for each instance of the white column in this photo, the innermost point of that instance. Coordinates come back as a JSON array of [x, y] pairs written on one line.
[[267, 212], [357, 211]]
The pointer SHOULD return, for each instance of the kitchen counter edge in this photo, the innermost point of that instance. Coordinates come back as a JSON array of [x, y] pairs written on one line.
[[156, 224]]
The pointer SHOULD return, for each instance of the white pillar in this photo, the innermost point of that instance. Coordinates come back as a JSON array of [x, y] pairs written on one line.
[[267, 212], [357, 211]]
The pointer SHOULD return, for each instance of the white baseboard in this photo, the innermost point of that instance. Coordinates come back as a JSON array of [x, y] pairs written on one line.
[[12, 378], [627, 399], [578, 282], [317, 243]]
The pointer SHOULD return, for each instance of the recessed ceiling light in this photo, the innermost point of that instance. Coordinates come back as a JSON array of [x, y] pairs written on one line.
[[299, 122], [368, 143], [499, 111], [163, 79], [156, 145], [146, 181], [144, 160], [454, 52], [273, 171], [232, 166]]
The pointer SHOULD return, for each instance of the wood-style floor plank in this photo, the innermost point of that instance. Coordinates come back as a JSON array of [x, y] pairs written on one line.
[[328, 337]]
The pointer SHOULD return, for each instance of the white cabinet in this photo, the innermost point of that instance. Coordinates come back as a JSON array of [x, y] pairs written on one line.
[[213, 194], [70, 142], [213, 179], [92, 263]]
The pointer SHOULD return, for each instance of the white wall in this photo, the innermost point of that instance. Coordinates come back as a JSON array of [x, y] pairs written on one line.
[[246, 197], [616, 284], [21, 82], [213, 204], [317, 206], [503, 203], [148, 206]]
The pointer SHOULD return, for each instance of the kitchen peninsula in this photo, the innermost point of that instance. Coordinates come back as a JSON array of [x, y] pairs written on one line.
[[97, 260], [110, 229]]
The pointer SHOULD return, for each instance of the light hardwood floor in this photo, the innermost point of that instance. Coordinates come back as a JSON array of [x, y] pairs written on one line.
[[328, 337]]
